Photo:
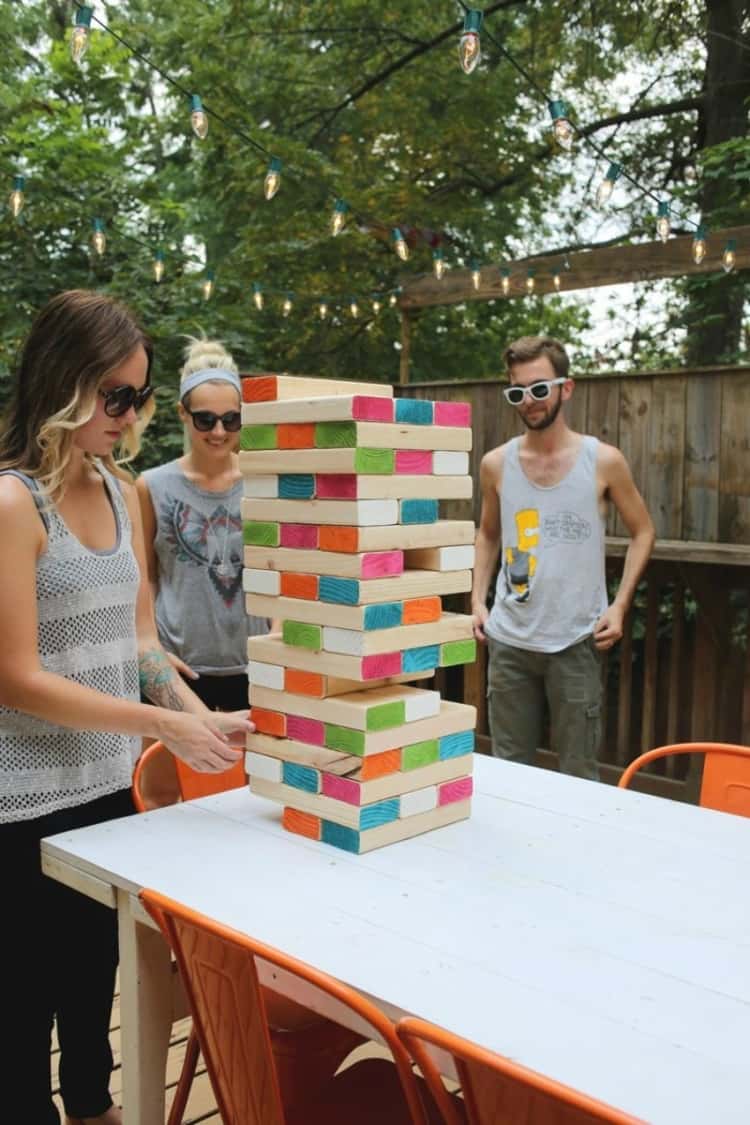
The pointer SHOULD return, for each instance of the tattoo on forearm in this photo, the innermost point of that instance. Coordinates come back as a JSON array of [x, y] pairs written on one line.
[[158, 679]]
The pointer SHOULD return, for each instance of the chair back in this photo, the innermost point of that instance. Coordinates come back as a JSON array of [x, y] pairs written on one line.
[[726, 773], [161, 779], [219, 968], [496, 1089]]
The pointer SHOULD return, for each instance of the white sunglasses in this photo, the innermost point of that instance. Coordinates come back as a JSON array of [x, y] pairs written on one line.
[[537, 391]]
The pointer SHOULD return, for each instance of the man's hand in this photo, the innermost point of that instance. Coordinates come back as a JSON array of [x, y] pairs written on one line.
[[481, 613], [608, 629]]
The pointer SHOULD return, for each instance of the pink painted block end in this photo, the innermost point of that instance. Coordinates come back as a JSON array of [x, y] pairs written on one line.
[[451, 791], [413, 461], [305, 730], [341, 788], [336, 486], [372, 408], [380, 665], [302, 535], [452, 413], [382, 564]]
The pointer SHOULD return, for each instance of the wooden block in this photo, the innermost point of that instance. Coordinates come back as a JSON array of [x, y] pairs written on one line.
[[458, 652], [377, 435], [379, 765], [450, 627], [297, 682], [413, 461], [298, 585], [410, 511], [348, 486], [376, 462], [296, 486], [301, 824], [420, 611], [453, 791], [261, 488], [260, 534], [301, 634], [301, 777], [260, 765], [376, 709], [295, 435], [456, 745], [271, 387], [414, 411], [419, 754], [354, 513], [301, 729], [360, 817], [258, 437], [380, 615], [269, 722], [418, 801], [337, 408], [305, 754], [379, 667], [354, 791], [337, 486], [444, 533], [338, 539], [445, 463], [440, 558], [266, 675], [372, 564], [348, 839], [452, 414], [266, 582], [298, 536], [410, 584]]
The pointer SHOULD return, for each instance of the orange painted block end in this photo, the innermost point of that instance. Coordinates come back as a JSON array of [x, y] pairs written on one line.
[[269, 722], [297, 682], [259, 388], [299, 586], [333, 538], [378, 765], [295, 435], [420, 611], [302, 824]]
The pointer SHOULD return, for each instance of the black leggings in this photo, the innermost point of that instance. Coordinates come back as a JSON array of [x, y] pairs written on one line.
[[58, 956], [221, 693]]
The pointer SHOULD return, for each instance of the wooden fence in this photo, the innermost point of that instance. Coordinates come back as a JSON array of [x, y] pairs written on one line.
[[682, 670]]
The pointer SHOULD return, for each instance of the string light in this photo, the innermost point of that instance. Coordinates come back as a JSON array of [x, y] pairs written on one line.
[[16, 198], [505, 281], [286, 307], [663, 222], [530, 282], [729, 257], [79, 39], [476, 277], [354, 308], [606, 187], [699, 244], [556, 280], [98, 237], [158, 266], [272, 182], [258, 296], [561, 126], [323, 310], [438, 264], [198, 117], [469, 47], [376, 306], [393, 299], [399, 244], [208, 285], [340, 208]]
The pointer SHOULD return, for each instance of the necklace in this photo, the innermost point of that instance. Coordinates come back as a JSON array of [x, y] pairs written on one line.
[[224, 569]]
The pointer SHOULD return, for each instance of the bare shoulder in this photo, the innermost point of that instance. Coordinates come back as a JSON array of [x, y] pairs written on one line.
[[491, 465], [18, 511], [610, 462]]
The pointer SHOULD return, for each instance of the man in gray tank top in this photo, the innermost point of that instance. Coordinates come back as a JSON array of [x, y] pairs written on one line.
[[544, 502]]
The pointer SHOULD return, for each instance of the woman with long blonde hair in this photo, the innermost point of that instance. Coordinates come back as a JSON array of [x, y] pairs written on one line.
[[78, 637]]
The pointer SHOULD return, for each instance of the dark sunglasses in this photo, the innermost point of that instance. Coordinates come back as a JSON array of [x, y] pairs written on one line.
[[119, 400], [541, 390], [205, 420]]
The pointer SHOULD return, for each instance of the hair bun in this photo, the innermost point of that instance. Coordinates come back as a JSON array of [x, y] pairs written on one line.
[[202, 353]]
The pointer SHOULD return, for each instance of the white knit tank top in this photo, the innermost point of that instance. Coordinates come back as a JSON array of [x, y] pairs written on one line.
[[86, 608]]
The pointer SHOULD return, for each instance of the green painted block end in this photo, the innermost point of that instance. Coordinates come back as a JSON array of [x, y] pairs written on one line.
[[345, 739], [458, 652], [255, 534], [420, 754], [302, 635], [335, 435], [377, 462], [384, 715], [258, 437]]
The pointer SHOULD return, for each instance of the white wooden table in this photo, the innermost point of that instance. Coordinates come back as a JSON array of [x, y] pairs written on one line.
[[596, 935]]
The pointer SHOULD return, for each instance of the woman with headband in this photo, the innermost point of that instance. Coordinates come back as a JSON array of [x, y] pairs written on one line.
[[193, 532]]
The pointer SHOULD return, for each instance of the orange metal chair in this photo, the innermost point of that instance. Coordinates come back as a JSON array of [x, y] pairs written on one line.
[[220, 972], [494, 1089], [306, 1048], [726, 773]]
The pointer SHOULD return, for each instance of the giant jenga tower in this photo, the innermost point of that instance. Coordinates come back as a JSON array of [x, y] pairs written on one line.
[[343, 546]]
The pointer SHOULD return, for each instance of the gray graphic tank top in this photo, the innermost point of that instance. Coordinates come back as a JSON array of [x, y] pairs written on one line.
[[551, 586], [200, 604], [86, 608]]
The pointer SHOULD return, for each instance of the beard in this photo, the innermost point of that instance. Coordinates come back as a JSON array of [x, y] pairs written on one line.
[[546, 420]]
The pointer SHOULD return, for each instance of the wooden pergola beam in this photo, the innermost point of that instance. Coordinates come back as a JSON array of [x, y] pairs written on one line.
[[611, 265]]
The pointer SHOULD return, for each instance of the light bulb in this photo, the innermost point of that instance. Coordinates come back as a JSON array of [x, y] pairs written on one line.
[[376, 307], [663, 223], [476, 277], [729, 257], [337, 218], [606, 187], [158, 266], [393, 300], [286, 308], [561, 126], [198, 117], [530, 282], [469, 47], [399, 244], [556, 280], [699, 244], [354, 308], [79, 39], [16, 198], [98, 238], [505, 281], [323, 310], [258, 296], [438, 264], [272, 182], [208, 285]]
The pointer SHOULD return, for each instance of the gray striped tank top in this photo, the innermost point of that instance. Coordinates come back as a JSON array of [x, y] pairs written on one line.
[[551, 586], [86, 633]]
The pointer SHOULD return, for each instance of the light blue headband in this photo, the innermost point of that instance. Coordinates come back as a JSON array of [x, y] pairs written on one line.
[[209, 375]]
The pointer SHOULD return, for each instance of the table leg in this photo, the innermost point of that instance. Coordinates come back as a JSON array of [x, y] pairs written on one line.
[[146, 1014]]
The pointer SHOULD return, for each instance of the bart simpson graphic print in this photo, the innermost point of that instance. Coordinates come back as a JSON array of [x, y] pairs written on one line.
[[520, 561]]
